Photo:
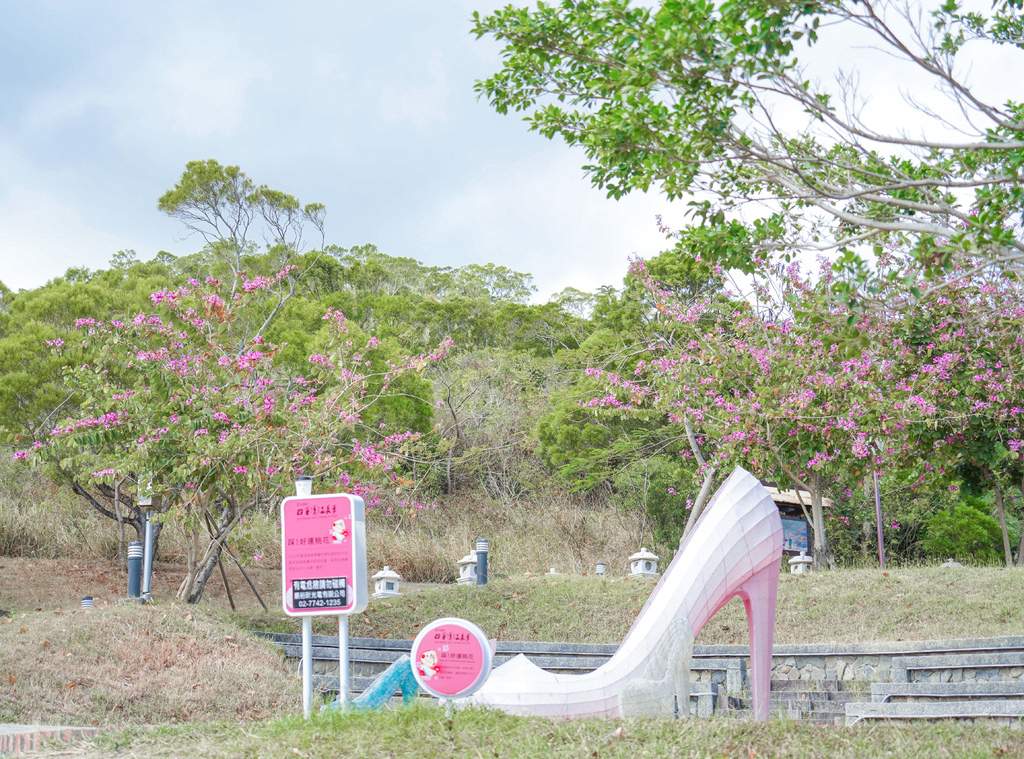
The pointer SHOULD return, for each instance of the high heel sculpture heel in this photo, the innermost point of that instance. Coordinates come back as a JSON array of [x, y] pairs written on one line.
[[734, 549]]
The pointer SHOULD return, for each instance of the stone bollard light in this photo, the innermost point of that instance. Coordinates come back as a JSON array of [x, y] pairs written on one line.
[[385, 583], [135, 569], [601, 568], [303, 486], [800, 565], [643, 564], [481, 561], [467, 569]]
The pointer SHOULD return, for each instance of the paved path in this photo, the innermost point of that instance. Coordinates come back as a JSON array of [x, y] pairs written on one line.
[[17, 738]]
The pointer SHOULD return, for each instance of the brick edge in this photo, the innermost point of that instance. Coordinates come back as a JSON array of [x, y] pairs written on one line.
[[27, 740]]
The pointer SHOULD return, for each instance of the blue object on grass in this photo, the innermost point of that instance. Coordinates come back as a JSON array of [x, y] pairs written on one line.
[[396, 677]]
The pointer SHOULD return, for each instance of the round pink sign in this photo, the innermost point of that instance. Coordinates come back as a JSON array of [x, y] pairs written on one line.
[[451, 658]]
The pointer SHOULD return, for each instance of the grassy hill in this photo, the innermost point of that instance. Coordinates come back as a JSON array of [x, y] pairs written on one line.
[[172, 680], [925, 603]]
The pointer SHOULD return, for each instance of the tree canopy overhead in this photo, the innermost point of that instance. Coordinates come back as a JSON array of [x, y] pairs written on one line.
[[697, 97]]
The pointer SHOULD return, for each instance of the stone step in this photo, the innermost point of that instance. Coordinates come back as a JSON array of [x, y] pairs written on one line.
[[830, 697], [1010, 713], [826, 718], [1006, 666], [962, 691], [706, 699], [810, 704], [561, 664], [807, 685]]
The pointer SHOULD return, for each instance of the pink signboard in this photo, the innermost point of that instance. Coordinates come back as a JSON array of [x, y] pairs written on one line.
[[451, 658], [323, 554]]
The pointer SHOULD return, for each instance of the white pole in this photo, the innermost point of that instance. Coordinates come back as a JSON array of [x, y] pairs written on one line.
[[307, 666], [147, 558], [343, 661]]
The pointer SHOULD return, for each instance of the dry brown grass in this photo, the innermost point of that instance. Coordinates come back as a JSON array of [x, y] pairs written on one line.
[[137, 665], [524, 537], [548, 529]]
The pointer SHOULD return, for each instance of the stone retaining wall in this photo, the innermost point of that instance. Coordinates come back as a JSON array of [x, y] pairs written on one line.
[[873, 662], [848, 663]]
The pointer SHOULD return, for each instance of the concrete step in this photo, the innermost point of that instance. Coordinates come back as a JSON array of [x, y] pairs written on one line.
[[831, 686], [902, 692], [1006, 666], [1007, 713]]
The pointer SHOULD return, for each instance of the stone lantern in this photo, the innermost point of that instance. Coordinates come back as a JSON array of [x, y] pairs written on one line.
[[385, 583], [800, 565], [467, 569], [643, 564]]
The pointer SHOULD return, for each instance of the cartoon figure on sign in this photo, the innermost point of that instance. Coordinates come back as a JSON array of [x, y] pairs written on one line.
[[428, 664], [338, 532]]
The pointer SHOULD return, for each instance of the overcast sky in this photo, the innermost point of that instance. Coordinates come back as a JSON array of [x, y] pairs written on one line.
[[366, 107]]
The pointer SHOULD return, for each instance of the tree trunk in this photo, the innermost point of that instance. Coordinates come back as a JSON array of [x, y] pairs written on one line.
[[122, 557], [204, 573], [700, 503], [1007, 552], [200, 572], [705, 488], [1020, 548], [823, 557]]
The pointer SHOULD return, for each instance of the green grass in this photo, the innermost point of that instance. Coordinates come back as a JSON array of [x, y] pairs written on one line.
[[208, 690], [925, 603], [422, 731]]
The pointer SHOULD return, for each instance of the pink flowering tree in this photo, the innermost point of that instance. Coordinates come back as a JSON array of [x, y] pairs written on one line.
[[927, 393], [759, 389], [186, 401], [964, 376]]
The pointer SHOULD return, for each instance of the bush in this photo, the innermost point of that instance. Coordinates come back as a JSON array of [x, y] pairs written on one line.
[[963, 533]]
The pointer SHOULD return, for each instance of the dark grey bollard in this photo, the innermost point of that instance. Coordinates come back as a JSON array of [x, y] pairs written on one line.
[[481, 561], [135, 569]]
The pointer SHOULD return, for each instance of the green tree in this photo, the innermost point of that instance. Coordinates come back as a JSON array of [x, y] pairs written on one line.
[[964, 532], [641, 458], [684, 96]]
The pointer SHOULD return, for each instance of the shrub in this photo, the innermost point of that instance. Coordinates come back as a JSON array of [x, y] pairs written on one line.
[[965, 532]]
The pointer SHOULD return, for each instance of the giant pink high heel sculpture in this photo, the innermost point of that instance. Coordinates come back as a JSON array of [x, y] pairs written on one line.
[[734, 549]]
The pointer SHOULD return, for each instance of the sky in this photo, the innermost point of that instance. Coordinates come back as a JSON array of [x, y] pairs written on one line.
[[368, 108]]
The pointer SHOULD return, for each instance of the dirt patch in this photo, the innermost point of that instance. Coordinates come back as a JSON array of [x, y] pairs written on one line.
[[59, 584]]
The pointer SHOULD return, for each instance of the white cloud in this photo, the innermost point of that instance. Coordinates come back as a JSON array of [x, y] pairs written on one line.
[[40, 238], [542, 216], [202, 98], [420, 105], [328, 65]]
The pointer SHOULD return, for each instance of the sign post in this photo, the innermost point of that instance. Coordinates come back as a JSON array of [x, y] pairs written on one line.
[[323, 551]]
